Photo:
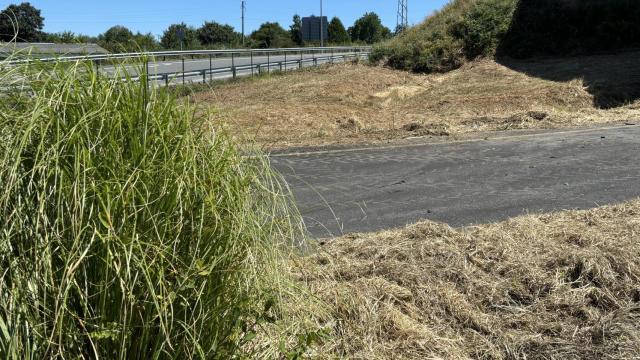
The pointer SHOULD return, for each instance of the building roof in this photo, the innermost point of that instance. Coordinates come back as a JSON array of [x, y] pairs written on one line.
[[51, 49]]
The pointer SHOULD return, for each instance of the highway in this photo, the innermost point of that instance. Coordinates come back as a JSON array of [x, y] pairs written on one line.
[[462, 183], [174, 66]]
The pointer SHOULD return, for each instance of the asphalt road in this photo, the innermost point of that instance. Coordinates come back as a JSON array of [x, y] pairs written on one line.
[[174, 65], [464, 183]]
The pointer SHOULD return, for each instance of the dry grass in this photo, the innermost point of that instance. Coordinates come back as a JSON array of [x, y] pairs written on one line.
[[554, 286], [348, 104]]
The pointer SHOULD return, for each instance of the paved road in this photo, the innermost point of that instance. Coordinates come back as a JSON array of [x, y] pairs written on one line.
[[174, 65], [463, 183]]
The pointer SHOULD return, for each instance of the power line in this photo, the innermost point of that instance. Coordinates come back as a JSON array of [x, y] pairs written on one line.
[[403, 15]]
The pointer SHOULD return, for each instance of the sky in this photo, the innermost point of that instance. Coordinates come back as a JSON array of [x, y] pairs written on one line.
[[93, 17]]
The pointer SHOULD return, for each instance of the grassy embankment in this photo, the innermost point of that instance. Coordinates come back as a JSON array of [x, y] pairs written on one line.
[[473, 81], [132, 229]]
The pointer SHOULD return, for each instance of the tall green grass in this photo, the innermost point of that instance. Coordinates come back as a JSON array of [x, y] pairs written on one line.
[[130, 229]]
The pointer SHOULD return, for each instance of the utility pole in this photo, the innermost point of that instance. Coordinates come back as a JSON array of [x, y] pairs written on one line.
[[403, 16], [321, 26], [244, 9]]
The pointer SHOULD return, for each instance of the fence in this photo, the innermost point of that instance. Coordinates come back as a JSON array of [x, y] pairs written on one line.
[[166, 67]]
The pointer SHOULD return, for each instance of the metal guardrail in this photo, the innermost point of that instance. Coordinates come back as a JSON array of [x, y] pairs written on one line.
[[157, 54], [288, 57]]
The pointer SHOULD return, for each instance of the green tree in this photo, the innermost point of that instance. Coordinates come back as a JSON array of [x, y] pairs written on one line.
[[145, 42], [21, 22], [65, 37], [337, 33], [369, 29], [296, 30], [271, 35], [170, 39], [117, 39], [213, 33]]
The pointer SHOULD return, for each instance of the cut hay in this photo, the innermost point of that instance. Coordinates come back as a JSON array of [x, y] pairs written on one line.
[[554, 286]]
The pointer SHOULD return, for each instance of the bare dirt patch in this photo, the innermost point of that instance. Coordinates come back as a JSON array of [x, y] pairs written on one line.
[[553, 286], [311, 107]]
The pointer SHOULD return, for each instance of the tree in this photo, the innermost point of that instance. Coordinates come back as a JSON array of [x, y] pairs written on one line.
[[213, 33], [117, 35], [144, 42], [170, 39], [117, 39], [296, 30], [21, 22], [65, 37], [337, 33], [369, 29], [271, 35]]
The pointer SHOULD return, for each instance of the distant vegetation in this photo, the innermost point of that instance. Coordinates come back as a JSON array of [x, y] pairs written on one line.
[[466, 29], [28, 22]]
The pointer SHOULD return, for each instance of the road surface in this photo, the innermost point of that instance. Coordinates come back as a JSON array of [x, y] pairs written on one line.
[[464, 183]]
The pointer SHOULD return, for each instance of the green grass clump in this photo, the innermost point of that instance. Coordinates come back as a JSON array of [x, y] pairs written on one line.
[[129, 228], [463, 30]]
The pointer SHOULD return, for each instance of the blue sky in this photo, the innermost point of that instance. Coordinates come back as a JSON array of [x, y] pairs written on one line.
[[92, 17]]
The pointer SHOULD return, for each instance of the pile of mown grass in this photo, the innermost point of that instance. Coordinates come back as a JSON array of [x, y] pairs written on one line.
[[553, 286], [129, 228]]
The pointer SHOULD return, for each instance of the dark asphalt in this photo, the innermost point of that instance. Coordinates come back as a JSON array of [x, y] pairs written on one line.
[[463, 183]]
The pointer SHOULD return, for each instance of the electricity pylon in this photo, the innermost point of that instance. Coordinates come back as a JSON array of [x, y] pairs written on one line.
[[403, 16]]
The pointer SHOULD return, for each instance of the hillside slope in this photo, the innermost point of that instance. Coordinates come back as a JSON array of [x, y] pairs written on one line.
[[466, 29], [377, 104]]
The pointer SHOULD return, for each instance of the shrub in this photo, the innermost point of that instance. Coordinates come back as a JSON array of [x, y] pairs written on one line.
[[130, 228], [462, 30], [466, 29]]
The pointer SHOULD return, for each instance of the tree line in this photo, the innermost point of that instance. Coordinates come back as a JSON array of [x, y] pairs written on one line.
[[29, 23]]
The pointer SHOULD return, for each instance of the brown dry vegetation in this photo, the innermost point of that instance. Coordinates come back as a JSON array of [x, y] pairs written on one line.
[[554, 286], [346, 104]]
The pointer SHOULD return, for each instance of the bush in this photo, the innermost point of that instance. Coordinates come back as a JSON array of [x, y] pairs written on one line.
[[462, 30], [466, 29], [130, 228]]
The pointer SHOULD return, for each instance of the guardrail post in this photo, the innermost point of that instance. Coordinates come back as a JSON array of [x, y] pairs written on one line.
[[183, 70], [210, 68], [204, 76], [280, 63], [166, 79], [233, 71], [285, 61], [251, 52], [332, 56], [269, 63]]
